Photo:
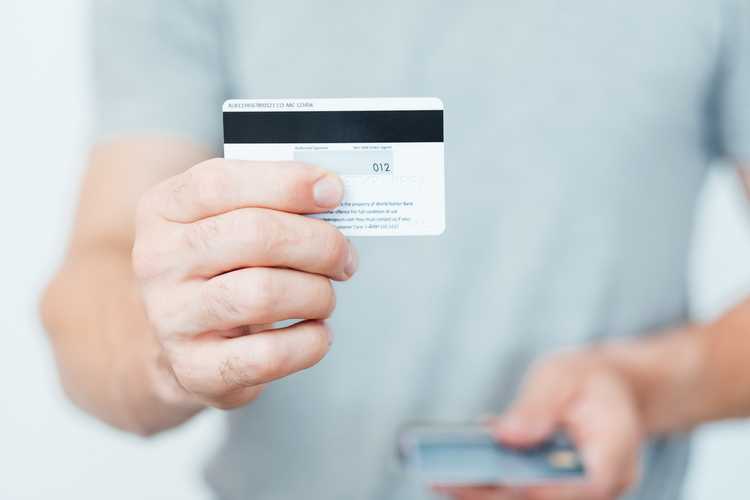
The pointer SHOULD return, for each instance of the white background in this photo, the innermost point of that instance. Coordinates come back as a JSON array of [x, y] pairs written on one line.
[[48, 450]]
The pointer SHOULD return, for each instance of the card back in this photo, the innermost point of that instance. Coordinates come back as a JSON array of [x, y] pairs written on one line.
[[389, 153]]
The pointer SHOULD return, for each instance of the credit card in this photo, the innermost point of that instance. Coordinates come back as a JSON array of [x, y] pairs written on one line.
[[388, 151], [466, 454]]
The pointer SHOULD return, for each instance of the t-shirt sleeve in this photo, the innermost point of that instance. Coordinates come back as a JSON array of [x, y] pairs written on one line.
[[733, 85], [158, 69]]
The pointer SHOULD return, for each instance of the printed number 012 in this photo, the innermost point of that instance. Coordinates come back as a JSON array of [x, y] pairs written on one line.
[[381, 167]]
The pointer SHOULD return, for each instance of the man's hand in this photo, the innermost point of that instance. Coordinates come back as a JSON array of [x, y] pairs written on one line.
[[221, 253], [584, 395]]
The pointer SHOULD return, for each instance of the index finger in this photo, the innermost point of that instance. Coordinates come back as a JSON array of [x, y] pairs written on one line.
[[218, 186]]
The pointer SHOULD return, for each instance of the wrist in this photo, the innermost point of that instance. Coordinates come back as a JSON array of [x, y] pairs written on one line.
[[666, 375]]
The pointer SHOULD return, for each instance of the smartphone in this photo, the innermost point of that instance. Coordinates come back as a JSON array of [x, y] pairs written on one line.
[[453, 454]]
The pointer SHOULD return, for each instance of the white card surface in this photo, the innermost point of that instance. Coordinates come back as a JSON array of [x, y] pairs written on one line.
[[388, 151]]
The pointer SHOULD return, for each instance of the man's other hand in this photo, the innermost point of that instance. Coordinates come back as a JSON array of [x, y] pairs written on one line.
[[584, 395]]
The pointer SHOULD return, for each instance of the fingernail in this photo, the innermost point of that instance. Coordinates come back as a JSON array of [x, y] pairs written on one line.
[[352, 261], [328, 192]]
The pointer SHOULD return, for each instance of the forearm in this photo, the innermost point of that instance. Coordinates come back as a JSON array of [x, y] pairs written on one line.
[[109, 361], [689, 376]]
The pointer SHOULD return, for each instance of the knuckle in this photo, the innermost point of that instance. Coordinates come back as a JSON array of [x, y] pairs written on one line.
[[168, 322], [263, 363], [209, 185], [165, 315], [245, 299], [185, 377], [236, 372], [264, 293], [174, 194], [162, 325], [201, 236], [146, 260], [187, 373], [196, 190], [262, 231], [158, 252], [220, 302]]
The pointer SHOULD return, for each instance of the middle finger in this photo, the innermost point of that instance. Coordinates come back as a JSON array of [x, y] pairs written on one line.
[[259, 237]]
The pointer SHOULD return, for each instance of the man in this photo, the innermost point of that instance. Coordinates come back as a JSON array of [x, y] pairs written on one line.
[[578, 137]]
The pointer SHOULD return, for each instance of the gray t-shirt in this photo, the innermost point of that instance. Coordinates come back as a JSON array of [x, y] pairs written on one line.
[[577, 140]]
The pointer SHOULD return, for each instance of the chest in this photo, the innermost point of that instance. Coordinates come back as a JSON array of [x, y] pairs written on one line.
[[489, 56]]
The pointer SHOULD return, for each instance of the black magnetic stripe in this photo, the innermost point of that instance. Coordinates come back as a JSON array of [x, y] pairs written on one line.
[[279, 127]]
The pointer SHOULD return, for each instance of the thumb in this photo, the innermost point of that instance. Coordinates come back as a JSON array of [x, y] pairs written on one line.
[[537, 411]]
